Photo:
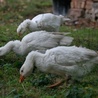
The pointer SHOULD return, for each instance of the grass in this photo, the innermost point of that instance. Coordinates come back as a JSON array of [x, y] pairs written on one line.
[[35, 86]]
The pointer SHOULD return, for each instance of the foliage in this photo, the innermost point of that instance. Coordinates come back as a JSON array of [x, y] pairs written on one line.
[[77, 92], [42, 80]]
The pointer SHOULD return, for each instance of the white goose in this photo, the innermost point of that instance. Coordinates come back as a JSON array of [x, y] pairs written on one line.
[[61, 60], [48, 22], [39, 40]]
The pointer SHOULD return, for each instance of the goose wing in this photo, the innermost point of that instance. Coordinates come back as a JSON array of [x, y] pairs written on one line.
[[42, 40], [69, 56]]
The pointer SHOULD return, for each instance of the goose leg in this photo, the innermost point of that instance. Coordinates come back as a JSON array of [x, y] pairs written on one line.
[[68, 78], [56, 84]]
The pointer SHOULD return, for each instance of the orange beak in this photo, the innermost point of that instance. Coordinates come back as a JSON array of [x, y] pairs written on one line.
[[21, 79]]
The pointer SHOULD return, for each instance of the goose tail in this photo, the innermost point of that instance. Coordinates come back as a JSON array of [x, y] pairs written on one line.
[[67, 40], [95, 60], [64, 19]]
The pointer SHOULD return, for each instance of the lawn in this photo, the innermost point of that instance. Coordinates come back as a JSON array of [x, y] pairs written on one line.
[[35, 86]]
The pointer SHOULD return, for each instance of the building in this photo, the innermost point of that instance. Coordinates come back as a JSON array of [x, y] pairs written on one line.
[[84, 8], [77, 8]]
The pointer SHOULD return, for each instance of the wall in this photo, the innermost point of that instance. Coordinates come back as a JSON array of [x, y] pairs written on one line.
[[84, 8]]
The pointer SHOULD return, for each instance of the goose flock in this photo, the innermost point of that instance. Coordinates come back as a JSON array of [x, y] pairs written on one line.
[[49, 50]]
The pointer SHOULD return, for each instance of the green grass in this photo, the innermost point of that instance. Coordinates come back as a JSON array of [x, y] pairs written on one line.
[[35, 86]]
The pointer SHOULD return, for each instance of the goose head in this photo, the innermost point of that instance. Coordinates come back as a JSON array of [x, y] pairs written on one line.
[[26, 68], [23, 26], [25, 71]]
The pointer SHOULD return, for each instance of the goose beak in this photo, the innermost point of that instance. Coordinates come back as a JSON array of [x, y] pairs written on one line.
[[21, 79], [19, 34]]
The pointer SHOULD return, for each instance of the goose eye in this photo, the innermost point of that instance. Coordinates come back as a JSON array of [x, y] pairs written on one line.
[[21, 70]]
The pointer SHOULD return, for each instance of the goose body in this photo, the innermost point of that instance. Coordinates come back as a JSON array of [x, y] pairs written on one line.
[[61, 60], [39, 40], [47, 21]]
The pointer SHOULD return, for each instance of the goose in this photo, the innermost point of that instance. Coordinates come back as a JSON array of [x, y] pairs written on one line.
[[47, 21], [38, 40], [61, 60]]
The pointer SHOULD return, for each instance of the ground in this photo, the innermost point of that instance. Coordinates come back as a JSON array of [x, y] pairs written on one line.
[[35, 86]]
